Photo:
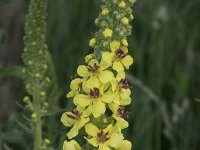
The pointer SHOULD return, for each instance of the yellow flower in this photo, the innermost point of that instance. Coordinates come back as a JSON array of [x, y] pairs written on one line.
[[92, 42], [121, 90], [105, 11], [95, 99], [118, 58], [104, 139], [71, 145], [124, 145], [107, 33], [122, 4], [78, 118], [125, 21], [120, 115], [75, 85], [95, 74]]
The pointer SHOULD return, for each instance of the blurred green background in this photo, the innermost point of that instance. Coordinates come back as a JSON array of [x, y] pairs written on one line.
[[165, 79]]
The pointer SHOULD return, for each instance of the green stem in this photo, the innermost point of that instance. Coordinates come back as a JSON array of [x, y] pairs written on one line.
[[38, 123], [38, 134]]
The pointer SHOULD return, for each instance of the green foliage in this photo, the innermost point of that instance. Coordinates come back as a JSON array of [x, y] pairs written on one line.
[[165, 44]]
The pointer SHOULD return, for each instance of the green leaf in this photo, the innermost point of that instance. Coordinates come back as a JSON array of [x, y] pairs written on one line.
[[14, 71]]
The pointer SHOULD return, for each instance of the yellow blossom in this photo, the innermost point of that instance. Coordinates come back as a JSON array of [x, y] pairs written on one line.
[[95, 99], [125, 21], [121, 90], [122, 4], [124, 145], [78, 118], [120, 115], [71, 145], [118, 58], [105, 11], [107, 33], [103, 139], [75, 85], [95, 73], [92, 42]]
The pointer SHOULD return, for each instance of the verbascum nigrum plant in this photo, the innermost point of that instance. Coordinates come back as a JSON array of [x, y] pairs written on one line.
[[36, 74], [100, 91]]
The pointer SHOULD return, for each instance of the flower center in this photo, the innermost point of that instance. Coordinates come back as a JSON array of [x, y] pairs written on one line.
[[93, 69], [123, 84], [102, 137], [75, 115], [120, 53], [95, 93], [122, 113]]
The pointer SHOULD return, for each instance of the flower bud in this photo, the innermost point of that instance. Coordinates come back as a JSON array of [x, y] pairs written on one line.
[[124, 42], [124, 21], [92, 42], [105, 11], [122, 4], [107, 33]]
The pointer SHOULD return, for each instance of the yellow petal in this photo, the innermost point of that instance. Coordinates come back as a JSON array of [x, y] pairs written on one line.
[[108, 57], [127, 61], [92, 82], [120, 75], [115, 139], [82, 122], [117, 65], [82, 71], [108, 128], [82, 100], [66, 120], [121, 122], [71, 145], [93, 62], [125, 100], [113, 107], [103, 147], [71, 93], [107, 98], [105, 76], [93, 141], [125, 49], [91, 129], [75, 83], [124, 145], [73, 132], [114, 45], [98, 108]]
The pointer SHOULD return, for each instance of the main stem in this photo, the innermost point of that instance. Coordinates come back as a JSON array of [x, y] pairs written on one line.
[[38, 123], [38, 134]]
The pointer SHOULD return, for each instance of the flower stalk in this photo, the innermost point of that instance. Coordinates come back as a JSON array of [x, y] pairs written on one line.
[[100, 91], [35, 57]]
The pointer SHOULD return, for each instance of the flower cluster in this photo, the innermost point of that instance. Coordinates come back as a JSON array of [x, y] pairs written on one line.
[[100, 90]]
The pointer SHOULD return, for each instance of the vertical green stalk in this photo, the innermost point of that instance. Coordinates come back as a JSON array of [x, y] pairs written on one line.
[[35, 57]]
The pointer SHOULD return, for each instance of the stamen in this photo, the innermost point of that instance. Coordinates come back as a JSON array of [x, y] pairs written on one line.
[[75, 115], [95, 93], [122, 113], [120, 53], [102, 137], [93, 69], [123, 84]]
